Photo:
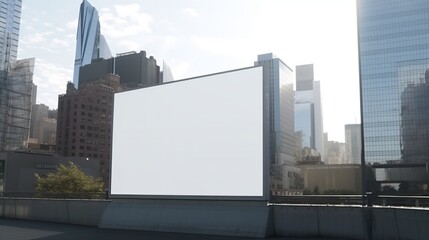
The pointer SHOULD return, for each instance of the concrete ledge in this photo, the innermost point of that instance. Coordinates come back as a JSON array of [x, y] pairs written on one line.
[[384, 224], [232, 218], [82, 212], [412, 224], [229, 218], [319, 221], [295, 221], [344, 222]]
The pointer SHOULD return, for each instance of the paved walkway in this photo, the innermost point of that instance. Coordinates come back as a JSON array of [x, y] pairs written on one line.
[[16, 229]]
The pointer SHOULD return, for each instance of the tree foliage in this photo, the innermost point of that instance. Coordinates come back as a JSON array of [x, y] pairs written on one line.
[[68, 181]]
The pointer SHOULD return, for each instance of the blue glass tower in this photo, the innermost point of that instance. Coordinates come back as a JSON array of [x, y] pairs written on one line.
[[90, 44], [10, 16], [394, 75]]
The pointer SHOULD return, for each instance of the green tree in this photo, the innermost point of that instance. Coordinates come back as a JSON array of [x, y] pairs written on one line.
[[68, 182]]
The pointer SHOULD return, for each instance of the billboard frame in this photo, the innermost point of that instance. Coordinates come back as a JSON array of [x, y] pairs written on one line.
[[266, 149]]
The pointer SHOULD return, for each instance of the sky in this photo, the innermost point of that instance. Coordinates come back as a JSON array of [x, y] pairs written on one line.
[[199, 37]]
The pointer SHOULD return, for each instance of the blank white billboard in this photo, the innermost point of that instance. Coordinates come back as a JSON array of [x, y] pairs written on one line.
[[196, 137]]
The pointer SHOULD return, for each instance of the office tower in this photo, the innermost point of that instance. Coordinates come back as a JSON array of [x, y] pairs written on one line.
[[308, 109], [90, 44], [134, 69], [285, 177], [38, 112], [43, 127], [85, 121], [10, 16], [353, 143], [16, 94], [16, 81], [394, 63], [336, 152]]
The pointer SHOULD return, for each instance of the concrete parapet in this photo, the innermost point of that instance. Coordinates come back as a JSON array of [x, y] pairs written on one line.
[[412, 224], [233, 218], [82, 212], [317, 221], [296, 221], [230, 218], [344, 222]]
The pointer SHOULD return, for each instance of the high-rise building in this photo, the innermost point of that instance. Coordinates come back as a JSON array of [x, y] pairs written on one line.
[[336, 152], [15, 96], [85, 121], [285, 176], [17, 90], [353, 143], [308, 109], [90, 44], [43, 127], [394, 65], [134, 69], [10, 16]]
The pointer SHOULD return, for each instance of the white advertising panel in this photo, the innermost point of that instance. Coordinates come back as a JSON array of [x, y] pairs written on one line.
[[195, 137]]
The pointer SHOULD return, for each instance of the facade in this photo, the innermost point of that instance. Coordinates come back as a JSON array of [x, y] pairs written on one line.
[[332, 179], [84, 126], [134, 69], [285, 176], [16, 84], [308, 109], [10, 17], [336, 153], [353, 143], [90, 44], [38, 112], [394, 61], [15, 111], [304, 123], [43, 125]]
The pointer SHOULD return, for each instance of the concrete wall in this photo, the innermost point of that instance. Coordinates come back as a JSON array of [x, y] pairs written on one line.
[[81, 212], [228, 218], [351, 222]]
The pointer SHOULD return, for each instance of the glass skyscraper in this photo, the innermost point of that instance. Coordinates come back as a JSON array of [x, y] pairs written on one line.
[[90, 44], [285, 176], [16, 80], [10, 15], [308, 109], [394, 78]]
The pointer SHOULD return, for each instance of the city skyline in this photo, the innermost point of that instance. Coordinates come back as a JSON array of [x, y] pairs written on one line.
[[197, 38]]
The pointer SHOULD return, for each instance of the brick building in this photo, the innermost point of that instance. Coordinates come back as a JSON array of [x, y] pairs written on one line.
[[84, 125]]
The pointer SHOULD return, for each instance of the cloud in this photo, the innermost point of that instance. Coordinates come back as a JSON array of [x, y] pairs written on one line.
[[128, 45], [72, 25], [62, 43], [124, 21], [51, 80], [37, 38], [190, 12], [181, 69]]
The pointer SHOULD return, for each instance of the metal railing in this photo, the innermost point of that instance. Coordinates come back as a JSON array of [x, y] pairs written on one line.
[[367, 200]]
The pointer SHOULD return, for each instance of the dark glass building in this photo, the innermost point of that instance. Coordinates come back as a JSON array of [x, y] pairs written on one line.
[[394, 63], [135, 70]]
